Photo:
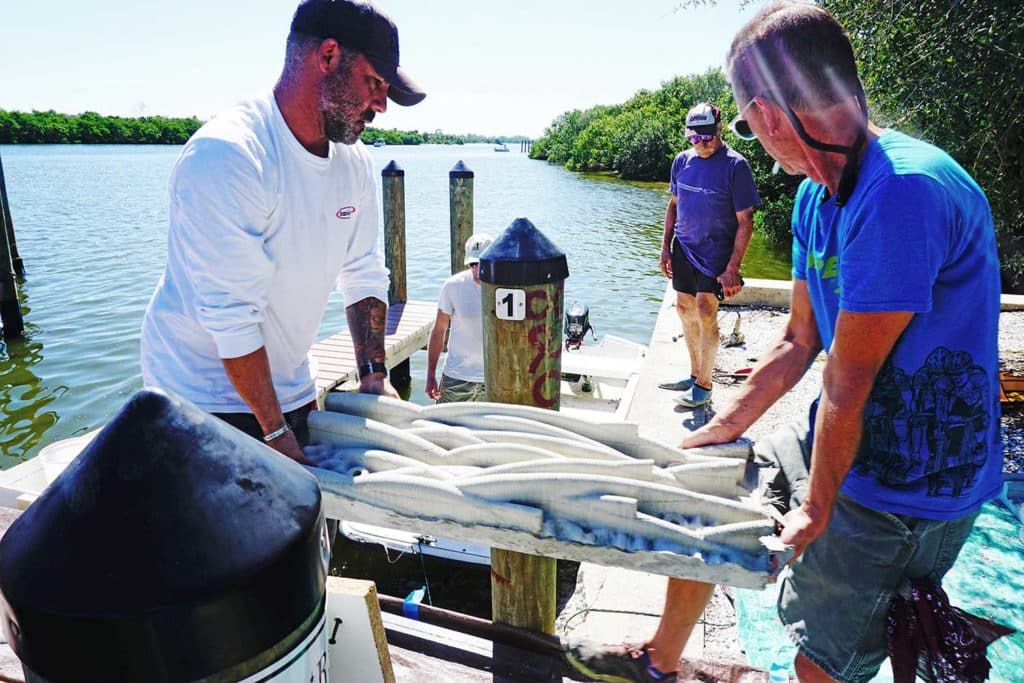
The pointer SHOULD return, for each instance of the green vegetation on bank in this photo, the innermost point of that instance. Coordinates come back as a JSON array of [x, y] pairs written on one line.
[[93, 128], [50, 127], [949, 73], [639, 138], [412, 137]]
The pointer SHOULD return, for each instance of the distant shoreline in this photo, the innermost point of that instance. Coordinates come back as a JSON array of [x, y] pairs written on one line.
[[53, 128]]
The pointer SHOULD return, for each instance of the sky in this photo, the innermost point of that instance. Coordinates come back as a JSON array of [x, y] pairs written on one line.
[[490, 68]]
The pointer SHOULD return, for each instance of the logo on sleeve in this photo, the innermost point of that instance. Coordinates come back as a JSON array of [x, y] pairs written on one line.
[[346, 212]]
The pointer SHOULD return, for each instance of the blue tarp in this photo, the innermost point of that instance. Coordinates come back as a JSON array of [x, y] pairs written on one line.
[[987, 580]]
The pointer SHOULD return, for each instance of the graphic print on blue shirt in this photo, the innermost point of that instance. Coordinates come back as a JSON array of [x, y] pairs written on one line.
[[929, 424], [915, 236]]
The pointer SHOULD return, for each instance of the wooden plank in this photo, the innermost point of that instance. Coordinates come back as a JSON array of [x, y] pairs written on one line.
[[357, 646], [424, 653], [692, 567], [408, 328]]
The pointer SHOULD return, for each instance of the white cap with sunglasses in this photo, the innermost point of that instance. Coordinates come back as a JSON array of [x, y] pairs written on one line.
[[703, 119]]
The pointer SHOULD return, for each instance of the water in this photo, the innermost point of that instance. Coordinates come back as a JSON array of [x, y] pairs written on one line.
[[91, 224]]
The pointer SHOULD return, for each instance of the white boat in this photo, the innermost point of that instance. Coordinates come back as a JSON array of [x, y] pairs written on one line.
[[379, 143], [501, 147], [598, 379]]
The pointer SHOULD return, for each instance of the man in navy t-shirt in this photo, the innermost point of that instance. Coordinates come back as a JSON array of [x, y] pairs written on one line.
[[708, 223], [896, 279]]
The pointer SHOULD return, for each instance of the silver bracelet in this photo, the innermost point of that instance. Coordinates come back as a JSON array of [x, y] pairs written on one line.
[[280, 431]]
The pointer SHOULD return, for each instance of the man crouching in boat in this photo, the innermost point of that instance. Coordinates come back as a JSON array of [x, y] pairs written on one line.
[[273, 205]]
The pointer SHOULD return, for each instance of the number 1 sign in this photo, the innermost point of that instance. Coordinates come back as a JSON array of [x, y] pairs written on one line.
[[510, 304]]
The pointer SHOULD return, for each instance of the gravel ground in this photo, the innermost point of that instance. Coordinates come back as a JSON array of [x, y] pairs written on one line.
[[760, 327]]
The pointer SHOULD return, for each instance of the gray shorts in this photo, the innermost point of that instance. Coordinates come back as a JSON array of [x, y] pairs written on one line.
[[458, 390], [833, 600]]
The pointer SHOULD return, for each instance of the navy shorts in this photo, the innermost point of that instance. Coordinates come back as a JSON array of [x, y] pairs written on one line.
[[686, 279]]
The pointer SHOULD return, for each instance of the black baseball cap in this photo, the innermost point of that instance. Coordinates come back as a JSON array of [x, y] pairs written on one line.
[[360, 26]]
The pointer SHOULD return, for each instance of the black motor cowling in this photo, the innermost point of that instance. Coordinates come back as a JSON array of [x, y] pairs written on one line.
[[577, 324]]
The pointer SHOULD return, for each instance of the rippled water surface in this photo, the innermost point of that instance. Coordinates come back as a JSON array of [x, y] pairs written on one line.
[[91, 225]]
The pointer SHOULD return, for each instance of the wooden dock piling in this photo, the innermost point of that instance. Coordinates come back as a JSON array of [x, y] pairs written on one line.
[[10, 306], [460, 201], [522, 276], [393, 190], [5, 207]]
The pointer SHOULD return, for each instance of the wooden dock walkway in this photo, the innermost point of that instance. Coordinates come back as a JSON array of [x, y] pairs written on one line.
[[408, 328]]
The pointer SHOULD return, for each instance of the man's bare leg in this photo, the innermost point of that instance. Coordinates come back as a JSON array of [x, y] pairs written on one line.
[[686, 309], [684, 603], [707, 320]]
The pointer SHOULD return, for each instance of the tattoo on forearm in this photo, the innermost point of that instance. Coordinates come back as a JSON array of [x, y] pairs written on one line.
[[367, 321]]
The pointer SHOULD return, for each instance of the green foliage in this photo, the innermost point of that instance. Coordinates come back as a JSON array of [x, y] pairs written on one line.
[[405, 137], [951, 73], [639, 138], [90, 127]]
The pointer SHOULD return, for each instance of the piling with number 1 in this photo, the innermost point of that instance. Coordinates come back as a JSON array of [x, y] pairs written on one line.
[[522, 278]]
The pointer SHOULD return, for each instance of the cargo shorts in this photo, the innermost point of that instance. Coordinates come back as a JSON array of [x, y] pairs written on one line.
[[834, 598], [460, 390]]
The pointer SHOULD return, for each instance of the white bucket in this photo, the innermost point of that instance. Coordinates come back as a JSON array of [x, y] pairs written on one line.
[[58, 455]]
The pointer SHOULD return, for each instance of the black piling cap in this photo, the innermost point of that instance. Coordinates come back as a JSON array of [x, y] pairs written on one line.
[[172, 548], [460, 170], [522, 255], [391, 170]]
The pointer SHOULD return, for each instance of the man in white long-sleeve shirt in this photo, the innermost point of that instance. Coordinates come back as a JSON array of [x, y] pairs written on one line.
[[273, 205]]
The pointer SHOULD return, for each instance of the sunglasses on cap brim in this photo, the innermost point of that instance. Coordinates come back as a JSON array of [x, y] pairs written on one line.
[[739, 125]]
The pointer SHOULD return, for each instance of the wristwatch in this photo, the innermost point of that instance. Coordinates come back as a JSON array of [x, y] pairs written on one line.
[[371, 367]]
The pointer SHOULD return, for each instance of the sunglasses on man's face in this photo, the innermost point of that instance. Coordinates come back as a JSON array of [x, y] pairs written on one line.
[[694, 139], [739, 125]]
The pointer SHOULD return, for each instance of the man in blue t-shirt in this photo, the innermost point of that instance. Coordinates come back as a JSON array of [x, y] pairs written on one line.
[[896, 278], [708, 223]]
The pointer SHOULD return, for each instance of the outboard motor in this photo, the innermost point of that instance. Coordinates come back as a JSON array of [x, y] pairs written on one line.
[[577, 324], [174, 548]]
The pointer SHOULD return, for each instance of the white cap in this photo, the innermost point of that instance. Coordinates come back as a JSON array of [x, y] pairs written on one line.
[[703, 119], [475, 246]]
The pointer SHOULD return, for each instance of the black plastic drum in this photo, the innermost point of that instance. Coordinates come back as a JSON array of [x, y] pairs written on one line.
[[174, 548]]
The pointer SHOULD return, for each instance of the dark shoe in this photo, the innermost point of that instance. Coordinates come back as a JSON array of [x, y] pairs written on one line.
[[614, 663], [680, 385], [694, 397]]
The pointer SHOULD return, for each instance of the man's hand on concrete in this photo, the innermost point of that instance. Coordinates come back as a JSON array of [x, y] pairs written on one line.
[[377, 383], [709, 435]]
